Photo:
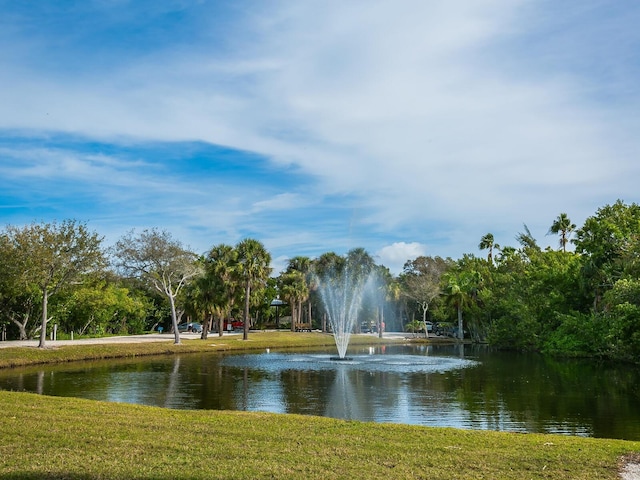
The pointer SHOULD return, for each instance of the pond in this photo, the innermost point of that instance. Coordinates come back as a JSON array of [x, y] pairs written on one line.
[[455, 386]]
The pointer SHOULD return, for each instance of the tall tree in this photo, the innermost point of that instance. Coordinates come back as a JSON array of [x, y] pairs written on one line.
[[253, 270], [421, 282], [18, 301], [294, 290], [221, 266], [304, 265], [527, 240], [607, 243], [359, 263], [563, 226], [327, 265], [160, 261], [360, 266], [460, 289], [386, 291], [51, 256], [197, 297], [488, 243], [394, 296]]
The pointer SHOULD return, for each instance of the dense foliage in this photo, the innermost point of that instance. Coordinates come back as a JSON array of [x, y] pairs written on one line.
[[584, 302]]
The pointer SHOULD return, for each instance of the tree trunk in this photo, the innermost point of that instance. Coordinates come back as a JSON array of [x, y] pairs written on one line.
[[245, 331], [293, 316], [22, 326], [220, 326], [206, 326], [43, 328], [460, 331], [174, 320], [424, 319], [86, 325]]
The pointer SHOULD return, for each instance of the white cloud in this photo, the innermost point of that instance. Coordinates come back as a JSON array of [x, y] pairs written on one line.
[[394, 256], [457, 116]]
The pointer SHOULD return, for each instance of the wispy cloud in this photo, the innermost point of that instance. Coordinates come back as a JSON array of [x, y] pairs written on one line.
[[435, 122]]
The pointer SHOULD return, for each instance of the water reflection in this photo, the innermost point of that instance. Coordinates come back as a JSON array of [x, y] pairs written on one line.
[[472, 388], [342, 400]]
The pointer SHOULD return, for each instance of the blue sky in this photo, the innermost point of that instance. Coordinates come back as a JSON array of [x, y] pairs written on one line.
[[405, 127]]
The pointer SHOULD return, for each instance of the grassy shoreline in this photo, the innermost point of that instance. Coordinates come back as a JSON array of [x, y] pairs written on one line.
[[50, 437], [24, 356]]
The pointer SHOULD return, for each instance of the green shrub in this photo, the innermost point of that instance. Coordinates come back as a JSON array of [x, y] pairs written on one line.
[[577, 334]]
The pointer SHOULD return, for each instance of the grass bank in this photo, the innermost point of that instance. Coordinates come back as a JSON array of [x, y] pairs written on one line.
[[65, 438], [24, 356]]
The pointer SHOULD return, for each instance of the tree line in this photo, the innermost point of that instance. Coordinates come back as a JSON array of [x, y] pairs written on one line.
[[583, 302]]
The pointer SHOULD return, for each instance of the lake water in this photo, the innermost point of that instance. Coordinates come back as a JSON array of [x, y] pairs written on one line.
[[464, 387]]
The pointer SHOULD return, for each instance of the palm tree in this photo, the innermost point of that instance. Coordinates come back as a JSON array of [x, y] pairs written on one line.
[[385, 291], [506, 253], [294, 290], [327, 265], [394, 295], [564, 227], [221, 265], [303, 265], [360, 263], [487, 242], [526, 240], [253, 269], [457, 298], [197, 299], [460, 289]]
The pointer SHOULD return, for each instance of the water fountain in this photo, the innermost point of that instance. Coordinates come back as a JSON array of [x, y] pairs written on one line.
[[342, 288]]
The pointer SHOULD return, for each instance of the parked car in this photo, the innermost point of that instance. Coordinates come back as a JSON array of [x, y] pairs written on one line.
[[190, 327], [232, 324], [445, 329], [368, 327]]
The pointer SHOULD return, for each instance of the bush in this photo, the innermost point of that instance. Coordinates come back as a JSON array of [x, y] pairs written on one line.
[[577, 334], [623, 336]]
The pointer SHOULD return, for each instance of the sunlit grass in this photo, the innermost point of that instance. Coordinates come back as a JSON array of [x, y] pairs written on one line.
[[50, 437], [23, 356]]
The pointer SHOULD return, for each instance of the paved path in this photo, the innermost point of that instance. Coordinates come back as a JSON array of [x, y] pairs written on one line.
[[150, 337], [631, 471]]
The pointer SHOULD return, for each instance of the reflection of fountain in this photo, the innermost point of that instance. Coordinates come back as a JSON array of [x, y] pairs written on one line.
[[344, 402], [341, 290]]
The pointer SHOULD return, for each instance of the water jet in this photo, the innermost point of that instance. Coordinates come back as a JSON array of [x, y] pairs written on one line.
[[342, 284]]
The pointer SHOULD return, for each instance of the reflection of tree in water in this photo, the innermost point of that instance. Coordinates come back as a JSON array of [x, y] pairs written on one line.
[[174, 383], [40, 383], [538, 394]]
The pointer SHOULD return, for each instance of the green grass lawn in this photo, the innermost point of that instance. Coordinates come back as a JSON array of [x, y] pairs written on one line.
[[23, 356], [50, 437]]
